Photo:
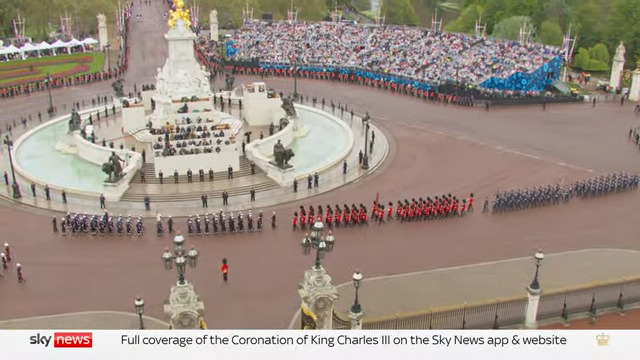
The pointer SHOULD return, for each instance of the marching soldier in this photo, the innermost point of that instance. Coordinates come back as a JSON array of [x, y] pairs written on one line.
[[54, 222], [225, 270]]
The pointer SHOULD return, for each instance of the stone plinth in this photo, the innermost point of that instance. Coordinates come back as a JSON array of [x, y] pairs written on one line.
[[213, 25], [103, 37], [318, 294], [259, 109], [184, 308]]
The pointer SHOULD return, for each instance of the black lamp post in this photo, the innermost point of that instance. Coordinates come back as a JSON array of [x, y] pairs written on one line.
[[14, 186], [181, 257], [295, 79], [48, 81], [139, 305], [318, 242], [538, 257], [365, 158], [357, 281]]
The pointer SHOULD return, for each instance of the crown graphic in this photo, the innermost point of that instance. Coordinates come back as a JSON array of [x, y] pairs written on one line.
[[603, 339]]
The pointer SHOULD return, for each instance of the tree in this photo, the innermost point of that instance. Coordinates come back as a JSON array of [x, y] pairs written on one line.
[[466, 22], [361, 5], [399, 12], [581, 59], [600, 53], [550, 33], [510, 28]]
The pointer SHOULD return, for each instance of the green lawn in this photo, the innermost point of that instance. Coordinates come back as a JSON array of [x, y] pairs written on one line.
[[95, 65]]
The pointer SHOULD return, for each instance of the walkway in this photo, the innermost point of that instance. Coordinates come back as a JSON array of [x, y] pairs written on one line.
[[93, 320], [415, 292]]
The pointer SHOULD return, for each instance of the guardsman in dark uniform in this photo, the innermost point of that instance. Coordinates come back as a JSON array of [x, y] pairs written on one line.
[[253, 168], [161, 176], [170, 225], [189, 176], [309, 181], [210, 174], [273, 220], [64, 197], [47, 192], [142, 177], [175, 176], [295, 185], [204, 200], [33, 189], [201, 173], [316, 180], [252, 193], [54, 223], [344, 167]]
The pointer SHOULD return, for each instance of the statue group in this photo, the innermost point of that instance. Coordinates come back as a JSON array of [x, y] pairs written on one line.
[[117, 88], [287, 106], [113, 168], [282, 156], [75, 122]]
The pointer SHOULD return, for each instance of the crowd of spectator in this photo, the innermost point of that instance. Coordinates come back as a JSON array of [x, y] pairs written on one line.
[[433, 57]]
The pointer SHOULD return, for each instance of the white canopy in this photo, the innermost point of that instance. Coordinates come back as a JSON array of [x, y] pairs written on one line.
[[10, 50], [74, 42], [28, 47], [43, 46], [89, 41], [58, 44]]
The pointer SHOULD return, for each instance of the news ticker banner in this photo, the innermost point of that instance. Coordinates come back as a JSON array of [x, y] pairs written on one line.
[[311, 345]]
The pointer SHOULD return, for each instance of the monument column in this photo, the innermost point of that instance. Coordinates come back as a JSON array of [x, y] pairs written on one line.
[[318, 294], [634, 92], [617, 67], [213, 25], [103, 38]]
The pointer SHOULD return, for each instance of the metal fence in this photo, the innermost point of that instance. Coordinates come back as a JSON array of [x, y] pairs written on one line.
[[511, 312]]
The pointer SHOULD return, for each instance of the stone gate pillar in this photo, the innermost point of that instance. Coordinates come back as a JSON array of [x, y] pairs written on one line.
[[617, 68], [184, 308], [103, 38], [634, 92], [318, 294], [213, 25]]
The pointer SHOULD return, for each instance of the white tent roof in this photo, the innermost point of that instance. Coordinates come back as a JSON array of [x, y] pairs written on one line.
[[74, 42], [28, 47], [43, 46], [59, 43], [89, 41], [10, 50]]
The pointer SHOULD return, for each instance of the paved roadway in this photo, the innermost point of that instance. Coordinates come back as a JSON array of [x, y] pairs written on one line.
[[435, 149]]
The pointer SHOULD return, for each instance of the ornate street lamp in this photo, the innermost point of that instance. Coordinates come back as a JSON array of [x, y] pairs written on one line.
[[14, 186], [139, 305], [538, 257], [48, 81], [357, 281], [317, 242], [180, 257]]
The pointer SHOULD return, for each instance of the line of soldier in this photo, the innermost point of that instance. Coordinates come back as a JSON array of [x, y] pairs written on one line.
[[83, 224], [6, 257], [439, 207], [337, 215], [222, 223], [553, 195]]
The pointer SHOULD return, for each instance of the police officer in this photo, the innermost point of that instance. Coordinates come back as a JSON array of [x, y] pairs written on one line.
[[252, 193], [204, 198], [210, 174], [344, 167], [102, 202], [295, 185], [201, 174], [64, 197], [316, 180], [47, 192], [230, 172], [170, 225], [175, 176], [189, 176], [309, 181], [33, 189], [225, 198], [161, 176]]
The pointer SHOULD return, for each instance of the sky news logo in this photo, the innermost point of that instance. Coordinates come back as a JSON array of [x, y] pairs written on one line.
[[64, 340]]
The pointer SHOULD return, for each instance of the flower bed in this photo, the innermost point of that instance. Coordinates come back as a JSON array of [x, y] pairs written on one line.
[[4, 75], [78, 69]]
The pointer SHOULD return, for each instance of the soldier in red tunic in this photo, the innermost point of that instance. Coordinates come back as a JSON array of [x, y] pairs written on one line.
[[471, 202], [294, 220]]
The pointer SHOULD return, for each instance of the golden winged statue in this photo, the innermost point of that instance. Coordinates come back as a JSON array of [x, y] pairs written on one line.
[[179, 13]]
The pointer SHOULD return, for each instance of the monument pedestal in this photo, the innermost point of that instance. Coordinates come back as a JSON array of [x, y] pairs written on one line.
[[184, 308], [318, 295], [617, 67]]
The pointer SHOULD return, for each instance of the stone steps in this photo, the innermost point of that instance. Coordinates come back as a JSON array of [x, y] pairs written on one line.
[[137, 192], [151, 175]]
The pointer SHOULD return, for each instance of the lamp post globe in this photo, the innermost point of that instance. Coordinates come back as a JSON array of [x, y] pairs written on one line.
[[357, 282], [178, 242], [538, 257], [192, 255], [167, 259], [181, 264]]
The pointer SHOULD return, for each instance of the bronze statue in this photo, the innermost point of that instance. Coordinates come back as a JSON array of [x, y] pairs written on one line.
[[287, 106], [117, 88], [183, 109], [281, 156], [113, 168], [228, 81], [75, 122], [283, 123]]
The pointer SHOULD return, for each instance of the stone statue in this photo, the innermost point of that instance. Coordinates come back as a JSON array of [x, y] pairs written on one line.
[[228, 81], [213, 25], [281, 156], [287, 106], [113, 168], [117, 88], [620, 52], [75, 122], [283, 123]]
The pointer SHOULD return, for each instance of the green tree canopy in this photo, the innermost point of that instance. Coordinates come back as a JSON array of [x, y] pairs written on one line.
[[509, 28], [550, 33], [399, 12]]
